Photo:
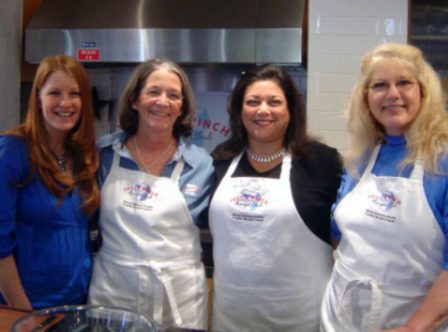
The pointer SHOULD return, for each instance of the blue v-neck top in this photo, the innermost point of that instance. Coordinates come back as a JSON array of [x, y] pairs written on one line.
[[50, 242]]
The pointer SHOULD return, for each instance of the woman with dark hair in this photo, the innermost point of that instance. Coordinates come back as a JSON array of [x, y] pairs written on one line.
[[270, 213], [49, 192], [154, 188]]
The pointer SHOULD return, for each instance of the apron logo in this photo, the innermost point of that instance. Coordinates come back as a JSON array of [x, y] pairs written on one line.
[[249, 200], [140, 192], [190, 189], [386, 201]]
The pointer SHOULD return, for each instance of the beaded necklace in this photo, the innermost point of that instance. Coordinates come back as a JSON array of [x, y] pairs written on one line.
[[265, 159]]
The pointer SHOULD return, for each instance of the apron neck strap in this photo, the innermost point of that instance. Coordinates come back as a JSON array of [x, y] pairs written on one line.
[[175, 175], [418, 170], [285, 166], [371, 162]]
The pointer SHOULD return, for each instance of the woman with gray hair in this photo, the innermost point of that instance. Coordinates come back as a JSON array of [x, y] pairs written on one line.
[[154, 187], [391, 217]]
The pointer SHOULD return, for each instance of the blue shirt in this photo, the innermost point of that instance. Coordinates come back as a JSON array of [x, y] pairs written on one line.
[[50, 242], [387, 164], [195, 180]]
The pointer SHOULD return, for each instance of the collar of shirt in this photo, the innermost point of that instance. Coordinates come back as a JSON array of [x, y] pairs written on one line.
[[116, 140]]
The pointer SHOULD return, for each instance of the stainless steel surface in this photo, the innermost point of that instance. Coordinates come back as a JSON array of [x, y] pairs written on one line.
[[278, 45], [214, 77], [192, 32], [137, 45]]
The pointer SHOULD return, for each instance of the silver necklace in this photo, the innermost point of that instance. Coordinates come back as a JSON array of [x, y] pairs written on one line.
[[146, 168], [265, 159], [62, 162]]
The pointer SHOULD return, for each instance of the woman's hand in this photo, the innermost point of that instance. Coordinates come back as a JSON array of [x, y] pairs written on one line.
[[433, 311], [11, 286]]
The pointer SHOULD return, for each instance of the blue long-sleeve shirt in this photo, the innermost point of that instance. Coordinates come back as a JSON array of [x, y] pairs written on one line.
[[195, 181], [49, 242], [387, 164]]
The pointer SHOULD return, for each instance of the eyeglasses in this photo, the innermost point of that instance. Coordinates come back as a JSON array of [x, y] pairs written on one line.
[[173, 96], [384, 86]]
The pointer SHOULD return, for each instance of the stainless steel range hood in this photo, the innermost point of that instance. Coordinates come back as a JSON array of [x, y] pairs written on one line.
[[186, 31]]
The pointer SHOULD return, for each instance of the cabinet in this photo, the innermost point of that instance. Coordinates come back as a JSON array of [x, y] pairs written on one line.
[[429, 32]]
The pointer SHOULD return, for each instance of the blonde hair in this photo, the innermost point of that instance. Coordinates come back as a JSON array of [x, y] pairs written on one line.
[[80, 142], [426, 137]]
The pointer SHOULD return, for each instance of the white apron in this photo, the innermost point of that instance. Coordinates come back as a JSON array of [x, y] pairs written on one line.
[[150, 258], [270, 269], [390, 254]]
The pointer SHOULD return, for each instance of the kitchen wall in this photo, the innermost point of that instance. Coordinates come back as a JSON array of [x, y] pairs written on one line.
[[10, 34], [340, 32]]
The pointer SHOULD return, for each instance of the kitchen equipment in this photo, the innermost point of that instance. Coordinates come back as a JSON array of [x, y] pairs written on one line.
[[84, 318], [194, 31]]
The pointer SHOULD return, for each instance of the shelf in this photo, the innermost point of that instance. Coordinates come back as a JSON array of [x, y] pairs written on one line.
[[442, 38]]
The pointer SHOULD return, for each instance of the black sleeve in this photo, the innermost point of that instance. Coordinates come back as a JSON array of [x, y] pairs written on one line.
[[314, 184], [221, 167]]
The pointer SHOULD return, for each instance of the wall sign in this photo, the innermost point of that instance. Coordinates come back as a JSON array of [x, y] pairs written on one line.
[[88, 54], [211, 124]]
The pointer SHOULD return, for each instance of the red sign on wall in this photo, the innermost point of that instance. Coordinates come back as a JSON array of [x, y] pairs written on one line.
[[88, 54]]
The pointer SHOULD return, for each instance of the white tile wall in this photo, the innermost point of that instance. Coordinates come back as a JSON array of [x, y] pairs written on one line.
[[340, 33]]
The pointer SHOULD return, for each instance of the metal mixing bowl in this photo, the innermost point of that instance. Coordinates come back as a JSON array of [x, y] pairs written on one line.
[[84, 318]]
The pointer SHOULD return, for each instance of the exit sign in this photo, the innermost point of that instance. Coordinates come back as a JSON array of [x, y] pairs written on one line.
[[88, 54]]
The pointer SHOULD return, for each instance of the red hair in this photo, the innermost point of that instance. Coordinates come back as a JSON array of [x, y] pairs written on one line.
[[80, 142]]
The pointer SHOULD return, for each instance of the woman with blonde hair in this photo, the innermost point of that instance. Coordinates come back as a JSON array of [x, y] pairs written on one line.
[[391, 217], [49, 191]]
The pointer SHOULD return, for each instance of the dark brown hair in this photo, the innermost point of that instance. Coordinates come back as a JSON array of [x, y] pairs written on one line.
[[296, 137]]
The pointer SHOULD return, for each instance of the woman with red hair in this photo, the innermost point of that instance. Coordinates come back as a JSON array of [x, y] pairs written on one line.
[[49, 191]]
